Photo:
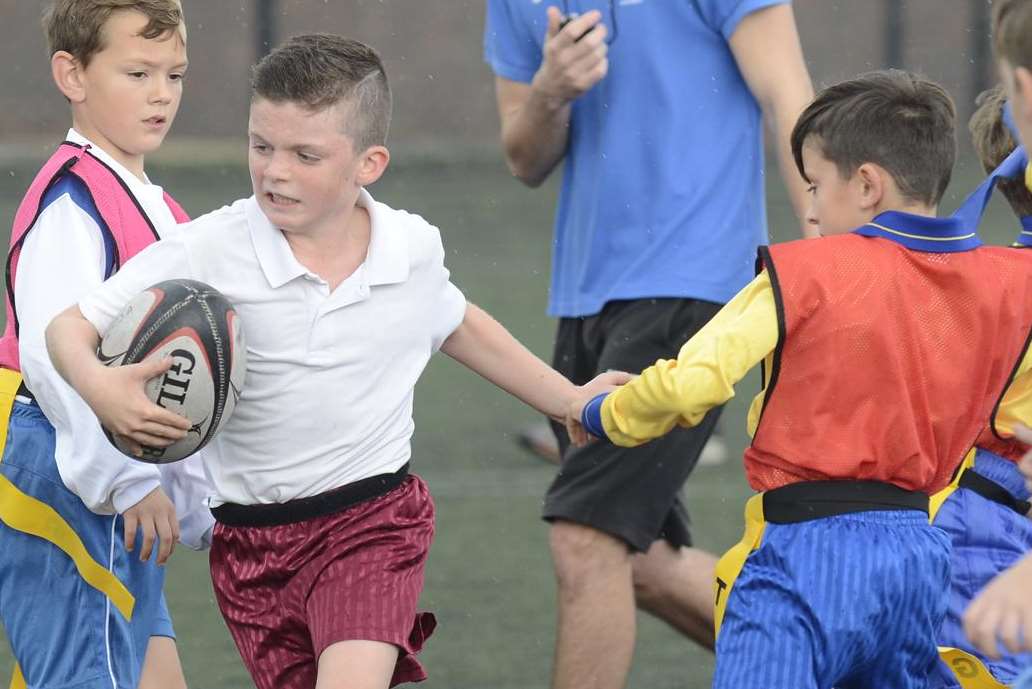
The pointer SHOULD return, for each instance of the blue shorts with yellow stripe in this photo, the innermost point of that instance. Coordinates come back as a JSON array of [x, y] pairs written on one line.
[[988, 537], [851, 600], [77, 608]]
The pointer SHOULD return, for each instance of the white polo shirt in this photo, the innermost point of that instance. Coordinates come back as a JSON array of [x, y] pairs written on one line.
[[330, 375]]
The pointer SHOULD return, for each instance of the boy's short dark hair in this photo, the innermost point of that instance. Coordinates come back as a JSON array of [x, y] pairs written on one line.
[[1012, 31], [76, 26], [321, 70], [898, 120], [993, 142]]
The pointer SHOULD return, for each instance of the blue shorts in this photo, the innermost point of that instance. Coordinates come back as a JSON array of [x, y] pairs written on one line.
[[1025, 680], [62, 630], [849, 601], [987, 539]]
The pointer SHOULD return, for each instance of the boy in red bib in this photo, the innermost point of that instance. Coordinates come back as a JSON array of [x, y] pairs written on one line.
[[885, 346]]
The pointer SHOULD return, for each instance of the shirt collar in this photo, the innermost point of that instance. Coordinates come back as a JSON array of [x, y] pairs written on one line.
[[386, 260], [922, 233]]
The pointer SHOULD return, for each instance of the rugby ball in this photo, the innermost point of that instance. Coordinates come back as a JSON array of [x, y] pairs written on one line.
[[198, 328]]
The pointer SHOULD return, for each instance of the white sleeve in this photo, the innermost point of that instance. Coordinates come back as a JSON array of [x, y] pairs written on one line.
[[188, 486], [62, 259], [162, 260], [450, 304]]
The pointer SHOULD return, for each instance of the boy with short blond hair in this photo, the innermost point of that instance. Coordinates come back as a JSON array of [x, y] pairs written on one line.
[[72, 504], [322, 535], [993, 142], [870, 398]]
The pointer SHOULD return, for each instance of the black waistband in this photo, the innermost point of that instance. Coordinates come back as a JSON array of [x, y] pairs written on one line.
[[800, 502], [302, 509], [991, 490]]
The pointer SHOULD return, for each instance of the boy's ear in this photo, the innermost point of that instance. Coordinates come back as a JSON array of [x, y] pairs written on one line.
[[374, 162], [871, 181], [1023, 92], [67, 73]]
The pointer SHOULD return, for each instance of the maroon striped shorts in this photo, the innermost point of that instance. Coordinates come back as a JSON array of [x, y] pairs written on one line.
[[288, 592]]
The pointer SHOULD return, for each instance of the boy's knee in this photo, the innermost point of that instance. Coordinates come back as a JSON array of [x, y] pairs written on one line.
[[664, 568], [581, 552]]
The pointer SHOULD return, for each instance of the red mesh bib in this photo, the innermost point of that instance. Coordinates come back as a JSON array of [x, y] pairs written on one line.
[[890, 360]]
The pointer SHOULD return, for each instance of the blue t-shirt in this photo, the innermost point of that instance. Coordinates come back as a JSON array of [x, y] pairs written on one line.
[[663, 191]]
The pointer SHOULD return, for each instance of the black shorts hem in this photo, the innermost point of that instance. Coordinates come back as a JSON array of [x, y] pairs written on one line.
[[676, 530]]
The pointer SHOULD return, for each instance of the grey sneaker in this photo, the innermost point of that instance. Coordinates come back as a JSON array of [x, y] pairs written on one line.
[[540, 440]]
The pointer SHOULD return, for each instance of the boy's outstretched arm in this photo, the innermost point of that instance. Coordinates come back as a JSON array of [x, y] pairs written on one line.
[[680, 391], [484, 346], [1002, 612], [115, 394]]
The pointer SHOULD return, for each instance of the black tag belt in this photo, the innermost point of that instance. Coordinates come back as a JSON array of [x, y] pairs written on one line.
[[800, 502], [991, 490], [303, 509]]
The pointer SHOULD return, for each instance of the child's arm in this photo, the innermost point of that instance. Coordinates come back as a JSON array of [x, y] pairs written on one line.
[[189, 487], [115, 394], [681, 391], [481, 344], [1002, 612]]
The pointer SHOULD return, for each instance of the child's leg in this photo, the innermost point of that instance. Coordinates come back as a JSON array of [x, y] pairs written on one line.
[[343, 583], [161, 666], [357, 665], [62, 562]]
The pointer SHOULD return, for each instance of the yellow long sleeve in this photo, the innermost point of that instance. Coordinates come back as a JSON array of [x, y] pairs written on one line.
[[1016, 405], [680, 391]]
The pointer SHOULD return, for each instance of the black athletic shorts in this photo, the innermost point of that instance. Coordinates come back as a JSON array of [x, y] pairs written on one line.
[[629, 493]]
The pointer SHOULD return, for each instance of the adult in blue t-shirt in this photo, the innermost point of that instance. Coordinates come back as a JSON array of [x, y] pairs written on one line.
[[656, 108]]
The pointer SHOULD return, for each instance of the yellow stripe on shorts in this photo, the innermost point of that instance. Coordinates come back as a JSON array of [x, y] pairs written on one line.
[[730, 564], [969, 670]]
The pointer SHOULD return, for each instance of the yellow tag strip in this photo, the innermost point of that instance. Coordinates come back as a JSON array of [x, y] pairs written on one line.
[[968, 669], [24, 513], [9, 383], [935, 502], [730, 565], [17, 681]]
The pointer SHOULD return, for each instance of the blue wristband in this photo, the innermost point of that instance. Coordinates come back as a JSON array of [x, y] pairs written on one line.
[[591, 417]]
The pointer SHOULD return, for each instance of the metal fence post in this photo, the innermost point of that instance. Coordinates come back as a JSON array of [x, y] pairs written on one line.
[[264, 27]]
